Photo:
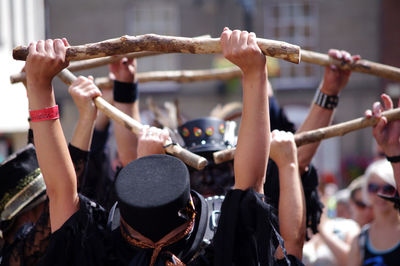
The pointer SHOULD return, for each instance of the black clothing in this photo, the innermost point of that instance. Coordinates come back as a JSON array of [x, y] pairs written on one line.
[[243, 237], [310, 183], [79, 159], [31, 240], [374, 257], [279, 120], [98, 181]]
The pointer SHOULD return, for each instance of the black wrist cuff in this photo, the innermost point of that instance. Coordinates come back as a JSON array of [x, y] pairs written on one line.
[[393, 159], [326, 101], [125, 92]]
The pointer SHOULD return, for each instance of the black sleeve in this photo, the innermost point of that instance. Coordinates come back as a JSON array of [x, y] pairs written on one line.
[[244, 235], [309, 182], [81, 239], [278, 118], [98, 182], [79, 159], [294, 261]]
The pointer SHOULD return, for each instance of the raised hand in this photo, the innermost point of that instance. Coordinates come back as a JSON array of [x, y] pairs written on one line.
[[83, 90], [151, 141], [45, 60], [283, 148], [240, 47], [335, 79], [124, 70], [387, 135]]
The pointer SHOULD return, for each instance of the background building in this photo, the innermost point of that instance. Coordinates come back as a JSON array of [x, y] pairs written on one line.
[[368, 28]]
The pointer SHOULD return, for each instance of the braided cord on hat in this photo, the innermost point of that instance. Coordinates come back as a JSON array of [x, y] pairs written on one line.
[[136, 239]]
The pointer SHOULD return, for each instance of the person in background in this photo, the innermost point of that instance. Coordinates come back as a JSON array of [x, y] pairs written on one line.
[[361, 212], [379, 242]]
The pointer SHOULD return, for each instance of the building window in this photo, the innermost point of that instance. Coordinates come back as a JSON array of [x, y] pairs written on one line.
[[144, 17], [296, 22]]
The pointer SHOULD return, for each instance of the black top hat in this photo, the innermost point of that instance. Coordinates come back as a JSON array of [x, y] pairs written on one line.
[[152, 193], [207, 134], [21, 182]]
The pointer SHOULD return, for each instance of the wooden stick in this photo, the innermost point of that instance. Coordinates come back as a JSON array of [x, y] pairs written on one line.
[[96, 62], [181, 76], [89, 63], [128, 122], [364, 66], [166, 44], [322, 133]]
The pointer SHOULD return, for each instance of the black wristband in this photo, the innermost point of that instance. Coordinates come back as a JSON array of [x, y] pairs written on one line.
[[393, 159], [326, 101], [125, 92]]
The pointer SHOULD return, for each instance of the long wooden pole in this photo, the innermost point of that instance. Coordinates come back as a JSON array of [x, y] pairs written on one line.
[[128, 122], [181, 76], [363, 66], [321, 133], [96, 62], [89, 63], [166, 44]]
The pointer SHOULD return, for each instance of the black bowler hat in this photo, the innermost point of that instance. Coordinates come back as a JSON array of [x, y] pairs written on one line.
[[153, 192], [208, 134], [21, 182]]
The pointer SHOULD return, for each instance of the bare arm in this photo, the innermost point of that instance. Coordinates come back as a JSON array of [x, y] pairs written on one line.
[[333, 82], [340, 248], [45, 60], [292, 211], [387, 135], [354, 258], [83, 91], [254, 134], [124, 71]]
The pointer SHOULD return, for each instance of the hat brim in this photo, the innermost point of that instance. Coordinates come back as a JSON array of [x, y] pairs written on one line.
[[207, 148], [24, 197], [199, 230]]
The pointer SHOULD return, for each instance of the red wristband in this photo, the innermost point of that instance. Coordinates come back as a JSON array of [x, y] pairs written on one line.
[[50, 113]]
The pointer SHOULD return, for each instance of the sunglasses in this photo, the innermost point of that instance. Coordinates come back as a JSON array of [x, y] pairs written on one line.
[[387, 189], [359, 204]]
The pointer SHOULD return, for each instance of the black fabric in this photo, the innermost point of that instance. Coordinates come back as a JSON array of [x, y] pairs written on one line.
[[98, 182], [85, 240], [294, 261], [388, 257], [17, 166], [151, 191], [125, 92], [79, 159], [243, 238], [310, 184], [30, 137], [214, 179], [278, 118], [30, 242], [244, 235]]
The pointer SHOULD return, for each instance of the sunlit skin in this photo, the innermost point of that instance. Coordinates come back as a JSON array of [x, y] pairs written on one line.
[[362, 215]]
